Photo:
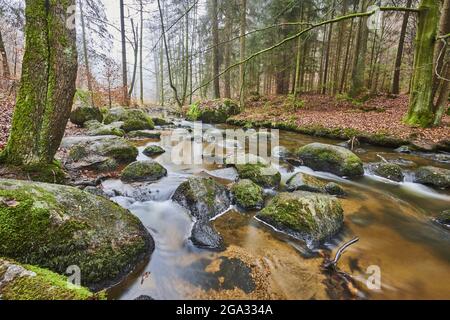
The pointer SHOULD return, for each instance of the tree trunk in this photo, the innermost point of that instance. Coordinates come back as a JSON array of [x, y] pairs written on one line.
[[141, 41], [47, 85], [357, 84], [242, 28], [327, 53], [341, 29], [126, 97], [4, 57], [228, 32], [420, 111], [398, 59], [215, 51]]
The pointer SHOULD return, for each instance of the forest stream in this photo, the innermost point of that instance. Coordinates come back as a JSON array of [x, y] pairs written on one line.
[[392, 221]]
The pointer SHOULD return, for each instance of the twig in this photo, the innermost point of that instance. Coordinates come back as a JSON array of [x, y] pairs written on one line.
[[333, 263], [382, 158]]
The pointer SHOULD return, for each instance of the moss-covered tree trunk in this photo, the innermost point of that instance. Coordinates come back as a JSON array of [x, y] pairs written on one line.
[[4, 58], [420, 111], [47, 85]]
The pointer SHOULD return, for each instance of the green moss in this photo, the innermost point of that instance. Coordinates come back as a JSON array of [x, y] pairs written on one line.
[[43, 285], [216, 111], [51, 173], [256, 172], [248, 195], [143, 171], [84, 113], [144, 134], [153, 150], [387, 170]]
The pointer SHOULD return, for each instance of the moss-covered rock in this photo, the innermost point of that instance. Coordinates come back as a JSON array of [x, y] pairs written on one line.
[[258, 171], [204, 197], [248, 195], [25, 282], [334, 189], [144, 134], [215, 111], [329, 158], [306, 182], [433, 176], [387, 170], [54, 227], [98, 152], [133, 119], [309, 216], [115, 114], [161, 122], [148, 170], [153, 150], [96, 128], [443, 219], [82, 114]]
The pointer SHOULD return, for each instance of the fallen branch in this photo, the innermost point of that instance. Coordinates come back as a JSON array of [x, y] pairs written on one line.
[[332, 264]]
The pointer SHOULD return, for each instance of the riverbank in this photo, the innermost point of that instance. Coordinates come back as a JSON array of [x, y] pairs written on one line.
[[378, 121]]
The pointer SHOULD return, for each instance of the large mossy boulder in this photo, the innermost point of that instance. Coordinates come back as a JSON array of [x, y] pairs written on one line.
[[133, 119], [262, 174], [433, 176], [329, 158], [306, 182], [309, 216], [141, 171], [387, 170], [54, 227], [82, 114], [215, 111], [153, 150], [103, 153], [248, 195], [204, 197], [115, 114], [96, 128], [25, 282], [144, 134]]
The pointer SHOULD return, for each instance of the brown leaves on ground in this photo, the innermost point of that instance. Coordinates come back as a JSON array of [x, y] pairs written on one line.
[[381, 114]]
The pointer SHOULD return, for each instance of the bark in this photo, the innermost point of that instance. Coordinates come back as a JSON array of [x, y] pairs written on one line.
[[420, 111], [357, 84], [47, 84], [4, 57], [228, 32], [126, 97], [340, 40], [242, 28], [141, 41], [327, 53], [215, 51], [398, 59]]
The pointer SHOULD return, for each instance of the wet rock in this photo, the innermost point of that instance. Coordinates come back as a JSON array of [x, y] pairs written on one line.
[[153, 150], [309, 216], [140, 171], [260, 172], [54, 227], [433, 176], [96, 128], [161, 122], [101, 153], [305, 182], [96, 191], [144, 134], [248, 195], [216, 111], [82, 114], [144, 297], [25, 282], [115, 114], [329, 158], [204, 197], [387, 170], [205, 236], [443, 219], [133, 119], [404, 149]]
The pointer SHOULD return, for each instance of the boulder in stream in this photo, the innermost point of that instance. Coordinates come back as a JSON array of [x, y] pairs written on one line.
[[309, 216], [215, 111], [133, 119], [144, 134], [153, 150], [306, 182], [433, 176], [54, 227], [140, 171], [25, 282], [96, 128], [204, 235], [262, 174], [387, 170], [102, 153], [204, 197], [248, 195], [82, 114], [329, 158]]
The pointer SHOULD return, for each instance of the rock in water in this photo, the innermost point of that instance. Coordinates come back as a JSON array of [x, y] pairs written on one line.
[[153, 150], [248, 195], [25, 282], [387, 170], [96, 128], [433, 176], [204, 235], [148, 170], [54, 227], [264, 175], [133, 119], [101, 153], [329, 158], [309, 216], [144, 134], [216, 111], [82, 114], [306, 182], [204, 197]]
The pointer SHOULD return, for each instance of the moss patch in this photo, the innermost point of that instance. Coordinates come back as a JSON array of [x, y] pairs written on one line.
[[248, 195], [143, 171]]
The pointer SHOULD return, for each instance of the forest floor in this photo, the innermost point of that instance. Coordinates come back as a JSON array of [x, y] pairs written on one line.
[[380, 115]]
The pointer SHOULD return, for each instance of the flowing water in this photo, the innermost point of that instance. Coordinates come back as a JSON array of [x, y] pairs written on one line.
[[392, 220]]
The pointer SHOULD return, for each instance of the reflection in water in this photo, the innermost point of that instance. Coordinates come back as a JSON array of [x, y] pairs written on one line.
[[392, 221]]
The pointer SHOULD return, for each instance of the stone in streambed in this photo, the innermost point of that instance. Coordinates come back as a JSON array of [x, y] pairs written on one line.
[[433, 176], [82, 114], [248, 195], [309, 216], [306, 182], [204, 235], [96, 128], [144, 134], [153, 150], [329, 158], [387, 170], [141, 171], [54, 227]]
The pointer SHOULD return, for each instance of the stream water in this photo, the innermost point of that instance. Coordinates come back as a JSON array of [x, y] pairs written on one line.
[[392, 221]]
